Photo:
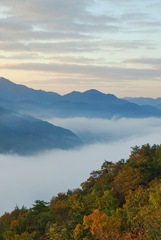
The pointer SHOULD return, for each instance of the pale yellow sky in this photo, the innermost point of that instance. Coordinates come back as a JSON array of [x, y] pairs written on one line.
[[65, 45]]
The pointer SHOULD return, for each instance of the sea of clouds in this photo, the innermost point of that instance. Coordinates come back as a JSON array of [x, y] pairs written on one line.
[[24, 179]]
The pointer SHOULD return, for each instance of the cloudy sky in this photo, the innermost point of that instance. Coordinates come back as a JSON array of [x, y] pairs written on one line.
[[65, 45]]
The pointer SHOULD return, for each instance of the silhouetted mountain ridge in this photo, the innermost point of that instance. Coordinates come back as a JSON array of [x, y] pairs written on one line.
[[17, 92], [91, 103], [90, 96]]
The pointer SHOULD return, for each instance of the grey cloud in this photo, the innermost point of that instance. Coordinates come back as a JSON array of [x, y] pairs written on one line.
[[55, 19], [137, 17], [59, 27], [77, 59], [50, 20], [74, 46], [13, 46], [10, 25], [65, 46], [90, 71], [155, 62], [64, 15], [38, 9], [149, 26], [33, 21], [61, 15], [57, 58], [39, 35], [22, 56], [155, 4], [126, 44], [52, 47], [131, 16]]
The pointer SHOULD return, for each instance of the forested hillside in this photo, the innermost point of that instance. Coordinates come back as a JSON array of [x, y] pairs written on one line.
[[121, 201]]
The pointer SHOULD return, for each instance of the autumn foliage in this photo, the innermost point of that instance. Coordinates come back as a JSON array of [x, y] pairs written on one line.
[[121, 201]]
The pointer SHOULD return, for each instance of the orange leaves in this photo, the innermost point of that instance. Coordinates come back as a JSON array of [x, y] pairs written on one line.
[[13, 224], [127, 179], [101, 226]]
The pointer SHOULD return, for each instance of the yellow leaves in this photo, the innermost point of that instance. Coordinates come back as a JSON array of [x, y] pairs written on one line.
[[134, 202], [13, 224], [97, 222], [9, 235], [56, 232], [127, 179], [79, 232], [101, 226], [155, 194], [142, 211]]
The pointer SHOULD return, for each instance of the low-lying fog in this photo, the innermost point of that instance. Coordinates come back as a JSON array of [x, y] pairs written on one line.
[[26, 179]]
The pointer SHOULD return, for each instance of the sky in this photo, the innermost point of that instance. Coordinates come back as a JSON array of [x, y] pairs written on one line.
[[23, 180], [65, 45]]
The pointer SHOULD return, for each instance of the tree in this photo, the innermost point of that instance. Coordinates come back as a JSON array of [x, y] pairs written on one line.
[[57, 232], [147, 160], [99, 226], [127, 179]]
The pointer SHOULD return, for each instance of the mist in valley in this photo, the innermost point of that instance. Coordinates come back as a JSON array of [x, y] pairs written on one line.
[[96, 130], [24, 179]]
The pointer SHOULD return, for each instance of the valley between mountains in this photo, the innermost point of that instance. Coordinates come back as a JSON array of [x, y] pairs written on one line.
[[24, 112]]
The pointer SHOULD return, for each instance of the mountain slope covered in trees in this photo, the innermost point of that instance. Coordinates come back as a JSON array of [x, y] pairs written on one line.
[[121, 201]]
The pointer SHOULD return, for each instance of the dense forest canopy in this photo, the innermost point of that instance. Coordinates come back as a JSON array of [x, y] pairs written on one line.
[[120, 201]]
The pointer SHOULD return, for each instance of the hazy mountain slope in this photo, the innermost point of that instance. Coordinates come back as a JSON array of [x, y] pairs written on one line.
[[144, 101], [91, 103], [103, 110], [158, 106], [25, 135], [16, 92], [151, 109]]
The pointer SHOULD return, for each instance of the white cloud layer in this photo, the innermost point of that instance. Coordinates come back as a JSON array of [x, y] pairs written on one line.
[[96, 130], [26, 179]]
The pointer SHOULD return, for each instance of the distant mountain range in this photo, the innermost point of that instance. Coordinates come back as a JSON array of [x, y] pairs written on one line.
[[91, 103], [145, 101], [20, 107]]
